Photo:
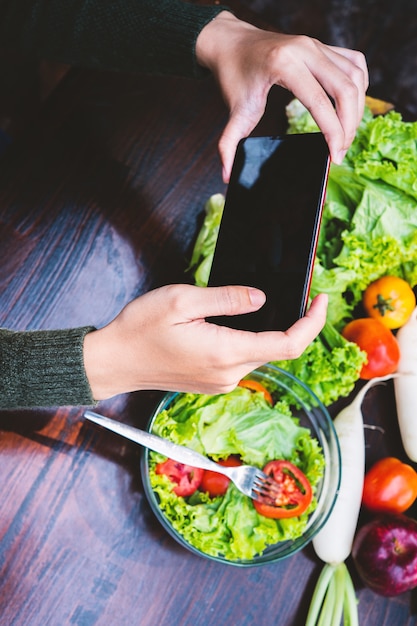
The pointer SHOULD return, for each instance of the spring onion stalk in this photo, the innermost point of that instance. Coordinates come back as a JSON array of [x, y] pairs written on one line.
[[334, 597]]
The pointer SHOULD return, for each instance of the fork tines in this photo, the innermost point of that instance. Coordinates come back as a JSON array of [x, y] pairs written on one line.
[[266, 487]]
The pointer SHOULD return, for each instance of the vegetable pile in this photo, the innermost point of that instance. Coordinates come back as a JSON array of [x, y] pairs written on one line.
[[239, 424]]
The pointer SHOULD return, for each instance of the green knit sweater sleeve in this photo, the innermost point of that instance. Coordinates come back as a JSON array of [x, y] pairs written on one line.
[[43, 368], [153, 36]]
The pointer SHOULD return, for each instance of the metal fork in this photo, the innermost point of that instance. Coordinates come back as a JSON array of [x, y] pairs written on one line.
[[250, 480]]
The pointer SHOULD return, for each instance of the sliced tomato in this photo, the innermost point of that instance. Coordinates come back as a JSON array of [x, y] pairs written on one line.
[[216, 484], [293, 495], [255, 386], [187, 478]]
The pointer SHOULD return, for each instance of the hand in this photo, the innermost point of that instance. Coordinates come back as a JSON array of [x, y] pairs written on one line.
[[247, 61], [162, 341]]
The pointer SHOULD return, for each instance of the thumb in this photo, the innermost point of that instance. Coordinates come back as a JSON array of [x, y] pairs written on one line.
[[229, 300]]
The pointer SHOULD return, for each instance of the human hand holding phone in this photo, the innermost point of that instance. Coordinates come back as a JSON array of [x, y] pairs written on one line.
[[162, 340]]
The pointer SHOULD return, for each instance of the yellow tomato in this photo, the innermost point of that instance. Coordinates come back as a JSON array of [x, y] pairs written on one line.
[[390, 300]]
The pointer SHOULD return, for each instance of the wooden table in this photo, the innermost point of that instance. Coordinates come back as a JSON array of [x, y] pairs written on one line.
[[100, 201]]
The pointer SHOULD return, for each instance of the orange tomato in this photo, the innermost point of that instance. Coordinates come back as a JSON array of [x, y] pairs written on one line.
[[390, 486], [379, 344], [390, 300], [255, 386]]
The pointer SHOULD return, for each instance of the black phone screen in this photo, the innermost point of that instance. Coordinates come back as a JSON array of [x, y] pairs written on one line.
[[270, 224]]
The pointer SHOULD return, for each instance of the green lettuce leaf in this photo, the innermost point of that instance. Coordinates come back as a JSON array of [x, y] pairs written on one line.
[[330, 365], [299, 119], [385, 149], [203, 251]]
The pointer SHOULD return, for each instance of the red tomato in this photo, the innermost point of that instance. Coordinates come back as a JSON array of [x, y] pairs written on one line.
[[186, 477], [255, 386], [390, 486], [379, 344], [294, 492], [216, 484]]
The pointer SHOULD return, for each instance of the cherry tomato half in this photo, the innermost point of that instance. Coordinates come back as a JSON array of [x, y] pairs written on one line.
[[294, 492], [186, 477], [379, 344], [255, 386], [216, 484], [390, 300], [390, 486]]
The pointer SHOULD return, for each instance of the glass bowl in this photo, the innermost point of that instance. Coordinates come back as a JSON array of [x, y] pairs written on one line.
[[312, 414]]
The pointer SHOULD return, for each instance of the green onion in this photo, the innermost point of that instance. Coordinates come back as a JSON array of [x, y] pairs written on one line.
[[333, 599]]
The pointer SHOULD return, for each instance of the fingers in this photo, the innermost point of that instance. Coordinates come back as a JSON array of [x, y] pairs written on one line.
[[235, 353], [320, 75], [262, 347], [202, 302], [290, 344], [330, 81], [189, 304], [306, 329], [241, 123], [237, 128], [341, 75]]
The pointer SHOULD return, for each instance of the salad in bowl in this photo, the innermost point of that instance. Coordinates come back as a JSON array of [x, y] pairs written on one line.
[[271, 420]]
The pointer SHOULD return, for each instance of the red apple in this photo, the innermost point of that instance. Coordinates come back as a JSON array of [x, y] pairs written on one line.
[[385, 554]]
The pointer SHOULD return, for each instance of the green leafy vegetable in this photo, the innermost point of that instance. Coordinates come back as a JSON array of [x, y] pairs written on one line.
[[299, 119], [385, 149], [203, 251], [240, 422], [370, 217], [329, 365], [365, 234]]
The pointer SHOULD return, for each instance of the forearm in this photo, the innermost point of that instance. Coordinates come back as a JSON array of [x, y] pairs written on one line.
[[155, 36], [43, 368]]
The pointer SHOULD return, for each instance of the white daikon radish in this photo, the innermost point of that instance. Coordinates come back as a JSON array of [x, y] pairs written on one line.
[[405, 386], [333, 542], [334, 597]]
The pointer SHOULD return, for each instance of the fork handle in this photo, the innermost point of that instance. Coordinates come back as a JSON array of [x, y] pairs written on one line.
[[174, 451]]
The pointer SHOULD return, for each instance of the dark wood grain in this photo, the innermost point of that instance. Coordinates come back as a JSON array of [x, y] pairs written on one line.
[[100, 200]]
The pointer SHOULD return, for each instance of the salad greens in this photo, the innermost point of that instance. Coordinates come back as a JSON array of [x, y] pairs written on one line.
[[202, 256], [241, 422], [369, 229]]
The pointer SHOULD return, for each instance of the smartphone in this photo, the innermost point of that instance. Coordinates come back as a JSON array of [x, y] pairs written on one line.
[[270, 226]]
